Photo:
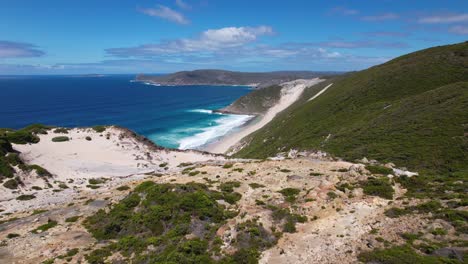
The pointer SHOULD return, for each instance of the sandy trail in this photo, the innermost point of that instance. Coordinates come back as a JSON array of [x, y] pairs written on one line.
[[319, 93], [289, 94]]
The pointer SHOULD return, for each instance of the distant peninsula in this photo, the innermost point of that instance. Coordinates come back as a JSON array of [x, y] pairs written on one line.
[[222, 77]]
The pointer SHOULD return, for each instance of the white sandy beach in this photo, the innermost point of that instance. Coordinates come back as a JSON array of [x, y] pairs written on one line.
[[289, 94], [115, 154]]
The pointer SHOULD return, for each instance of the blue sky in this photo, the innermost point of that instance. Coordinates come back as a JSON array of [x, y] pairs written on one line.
[[141, 36]]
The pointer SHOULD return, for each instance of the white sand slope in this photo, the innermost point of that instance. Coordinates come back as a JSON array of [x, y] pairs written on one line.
[[112, 153], [289, 94], [117, 154], [319, 93]]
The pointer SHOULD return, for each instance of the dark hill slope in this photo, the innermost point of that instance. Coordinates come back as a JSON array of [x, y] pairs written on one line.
[[412, 111]]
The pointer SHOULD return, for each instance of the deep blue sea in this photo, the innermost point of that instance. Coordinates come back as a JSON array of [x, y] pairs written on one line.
[[171, 116]]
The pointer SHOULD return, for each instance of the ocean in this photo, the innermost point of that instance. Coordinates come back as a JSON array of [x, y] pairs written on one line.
[[171, 116]]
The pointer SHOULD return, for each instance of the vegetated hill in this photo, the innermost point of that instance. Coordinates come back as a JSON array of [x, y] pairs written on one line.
[[256, 102], [412, 111], [221, 77]]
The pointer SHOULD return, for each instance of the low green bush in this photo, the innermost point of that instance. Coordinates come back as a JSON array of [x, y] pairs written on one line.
[[60, 139], [378, 187], [290, 194], [25, 197], [123, 188], [39, 170], [11, 184], [99, 129], [401, 255], [228, 165], [162, 215], [96, 181], [377, 169], [12, 235], [255, 185], [72, 219], [61, 130], [42, 228]]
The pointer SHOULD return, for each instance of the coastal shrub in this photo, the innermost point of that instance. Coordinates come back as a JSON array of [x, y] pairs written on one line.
[[5, 146], [332, 195], [193, 173], [5, 169], [123, 188], [12, 235], [161, 216], [11, 184], [229, 186], [285, 170], [96, 181], [99, 129], [290, 194], [72, 219], [42, 228], [378, 187], [228, 165], [88, 138], [25, 135], [255, 185], [25, 197], [401, 255], [164, 164], [185, 164], [396, 212], [60, 139], [377, 169], [39, 170], [38, 211], [61, 130], [13, 159], [286, 218]]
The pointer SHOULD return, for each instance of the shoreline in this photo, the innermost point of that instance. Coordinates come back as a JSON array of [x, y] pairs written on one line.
[[289, 94]]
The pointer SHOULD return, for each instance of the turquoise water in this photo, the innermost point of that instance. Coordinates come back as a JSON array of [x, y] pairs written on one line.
[[171, 116]]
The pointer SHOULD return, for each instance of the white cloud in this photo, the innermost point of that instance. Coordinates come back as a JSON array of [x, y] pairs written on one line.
[[208, 41], [444, 19], [10, 49], [459, 30], [344, 11], [381, 17], [166, 13], [182, 4]]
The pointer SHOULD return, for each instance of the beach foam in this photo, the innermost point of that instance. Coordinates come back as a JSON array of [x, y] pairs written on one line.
[[222, 126], [203, 111]]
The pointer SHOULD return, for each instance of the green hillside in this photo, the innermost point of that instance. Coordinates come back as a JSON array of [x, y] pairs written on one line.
[[412, 111]]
